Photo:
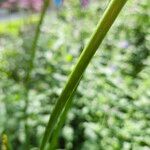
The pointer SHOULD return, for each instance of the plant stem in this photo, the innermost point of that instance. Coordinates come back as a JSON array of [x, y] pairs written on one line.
[[103, 27], [35, 40], [31, 66], [55, 135]]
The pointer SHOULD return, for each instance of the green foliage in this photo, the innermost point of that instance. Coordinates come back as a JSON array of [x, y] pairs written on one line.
[[111, 106]]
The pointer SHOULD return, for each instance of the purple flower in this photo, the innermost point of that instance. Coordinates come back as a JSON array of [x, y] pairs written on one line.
[[84, 3], [31, 4], [123, 44]]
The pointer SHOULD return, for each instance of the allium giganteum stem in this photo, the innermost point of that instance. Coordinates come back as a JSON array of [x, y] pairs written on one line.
[[97, 37]]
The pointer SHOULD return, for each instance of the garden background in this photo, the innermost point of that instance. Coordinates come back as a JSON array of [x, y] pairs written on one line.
[[111, 107]]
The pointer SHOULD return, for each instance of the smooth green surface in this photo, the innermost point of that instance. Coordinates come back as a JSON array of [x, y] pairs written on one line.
[[104, 25], [54, 139]]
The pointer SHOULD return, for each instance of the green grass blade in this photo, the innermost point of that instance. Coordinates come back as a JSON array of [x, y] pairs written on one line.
[[103, 27]]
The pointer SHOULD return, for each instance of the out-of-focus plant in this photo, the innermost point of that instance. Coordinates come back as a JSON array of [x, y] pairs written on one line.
[[30, 68]]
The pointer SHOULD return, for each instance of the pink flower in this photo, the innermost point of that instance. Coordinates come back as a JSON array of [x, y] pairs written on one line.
[[24, 3], [31, 4], [36, 4], [27, 4]]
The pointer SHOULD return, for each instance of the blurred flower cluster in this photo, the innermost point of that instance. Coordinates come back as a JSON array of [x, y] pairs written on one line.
[[34, 5], [25, 4]]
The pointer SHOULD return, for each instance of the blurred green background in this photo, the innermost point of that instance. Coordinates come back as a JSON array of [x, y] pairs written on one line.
[[111, 108]]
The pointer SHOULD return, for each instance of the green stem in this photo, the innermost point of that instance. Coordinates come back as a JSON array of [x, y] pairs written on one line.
[[55, 135], [103, 27], [53, 139], [35, 40], [31, 66]]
